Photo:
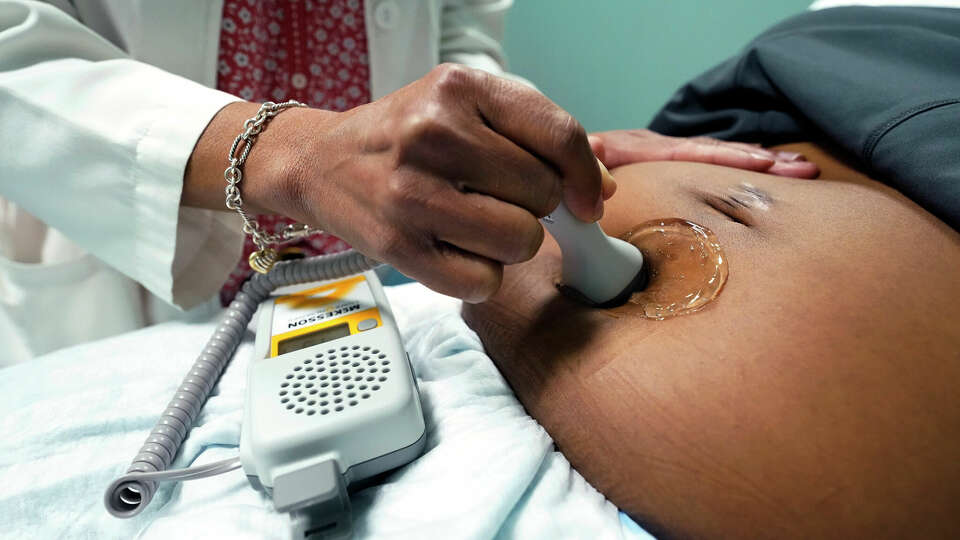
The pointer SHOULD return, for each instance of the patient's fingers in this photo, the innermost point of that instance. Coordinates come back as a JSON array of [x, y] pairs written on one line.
[[622, 147], [795, 169]]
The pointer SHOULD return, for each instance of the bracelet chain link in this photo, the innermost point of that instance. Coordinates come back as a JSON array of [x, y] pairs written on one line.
[[264, 258]]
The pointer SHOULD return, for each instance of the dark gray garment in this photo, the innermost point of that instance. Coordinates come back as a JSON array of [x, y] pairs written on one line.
[[883, 84]]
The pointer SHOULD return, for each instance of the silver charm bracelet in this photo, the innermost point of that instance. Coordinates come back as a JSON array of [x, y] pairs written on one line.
[[264, 258]]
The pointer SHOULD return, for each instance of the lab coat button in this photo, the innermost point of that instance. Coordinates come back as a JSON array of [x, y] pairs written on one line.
[[366, 324], [386, 14]]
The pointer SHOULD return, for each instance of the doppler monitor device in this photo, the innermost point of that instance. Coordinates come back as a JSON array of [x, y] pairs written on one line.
[[331, 400]]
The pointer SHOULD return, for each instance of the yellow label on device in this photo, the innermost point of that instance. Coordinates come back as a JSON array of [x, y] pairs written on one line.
[[323, 314]]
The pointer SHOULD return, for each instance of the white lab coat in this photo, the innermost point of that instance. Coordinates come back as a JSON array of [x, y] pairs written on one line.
[[101, 102]]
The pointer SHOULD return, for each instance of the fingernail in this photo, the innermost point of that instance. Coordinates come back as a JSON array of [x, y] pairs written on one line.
[[598, 209], [791, 156], [767, 157]]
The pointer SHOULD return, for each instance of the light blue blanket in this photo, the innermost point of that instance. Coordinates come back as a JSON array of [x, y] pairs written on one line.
[[71, 421]]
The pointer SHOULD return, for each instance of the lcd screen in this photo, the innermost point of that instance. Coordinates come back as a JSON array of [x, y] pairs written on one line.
[[313, 338]]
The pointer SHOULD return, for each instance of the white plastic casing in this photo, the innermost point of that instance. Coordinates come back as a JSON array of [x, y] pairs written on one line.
[[275, 440], [596, 265]]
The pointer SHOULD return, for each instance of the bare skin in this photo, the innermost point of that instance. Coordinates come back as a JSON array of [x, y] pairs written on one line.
[[444, 178], [817, 396]]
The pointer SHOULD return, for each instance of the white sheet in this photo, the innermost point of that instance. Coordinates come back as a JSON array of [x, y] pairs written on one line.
[[71, 421]]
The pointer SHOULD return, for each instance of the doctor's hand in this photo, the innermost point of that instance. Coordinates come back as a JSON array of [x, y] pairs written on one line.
[[444, 178], [625, 146]]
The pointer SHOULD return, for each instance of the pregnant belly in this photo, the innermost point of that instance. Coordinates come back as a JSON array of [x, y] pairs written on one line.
[[827, 361]]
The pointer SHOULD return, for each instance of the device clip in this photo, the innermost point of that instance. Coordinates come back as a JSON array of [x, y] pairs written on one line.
[[316, 497]]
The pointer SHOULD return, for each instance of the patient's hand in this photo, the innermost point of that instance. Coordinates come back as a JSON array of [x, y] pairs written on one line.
[[626, 146]]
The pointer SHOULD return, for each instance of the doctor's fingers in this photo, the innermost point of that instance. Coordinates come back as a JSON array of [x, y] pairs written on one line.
[[533, 122], [482, 161], [485, 226]]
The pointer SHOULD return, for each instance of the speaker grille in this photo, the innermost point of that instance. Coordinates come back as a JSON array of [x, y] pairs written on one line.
[[334, 380]]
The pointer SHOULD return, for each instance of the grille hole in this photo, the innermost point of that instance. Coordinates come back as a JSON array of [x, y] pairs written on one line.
[[311, 412], [381, 380], [296, 368], [311, 403], [365, 396], [376, 387], [363, 387], [352, 395], [290, 406], [299, 410], [325, 411], [352, 403], [338, 400], [296, 392], [385, 370], [284, 400], [284, 385], [283, 392]]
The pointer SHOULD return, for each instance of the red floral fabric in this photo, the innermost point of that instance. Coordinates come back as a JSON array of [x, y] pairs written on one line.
[[313, 51]]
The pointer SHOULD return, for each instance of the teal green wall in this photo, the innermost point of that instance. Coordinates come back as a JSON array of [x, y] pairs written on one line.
[[613, 63]]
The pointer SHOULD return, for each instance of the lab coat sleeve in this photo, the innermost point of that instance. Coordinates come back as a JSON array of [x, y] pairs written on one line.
[[471, 33], [95, 145]]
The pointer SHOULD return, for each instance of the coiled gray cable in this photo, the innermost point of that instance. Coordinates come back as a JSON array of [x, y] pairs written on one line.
[[128, 495]]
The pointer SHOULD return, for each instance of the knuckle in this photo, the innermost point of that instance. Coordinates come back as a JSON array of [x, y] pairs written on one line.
[[422, 133], [570, 134], [550, 198], [527, 243], [425, 125], [449, 77], [403, 195], [483, 285]]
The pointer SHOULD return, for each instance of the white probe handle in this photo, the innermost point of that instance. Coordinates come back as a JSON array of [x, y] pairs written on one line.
[[596, 265]]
